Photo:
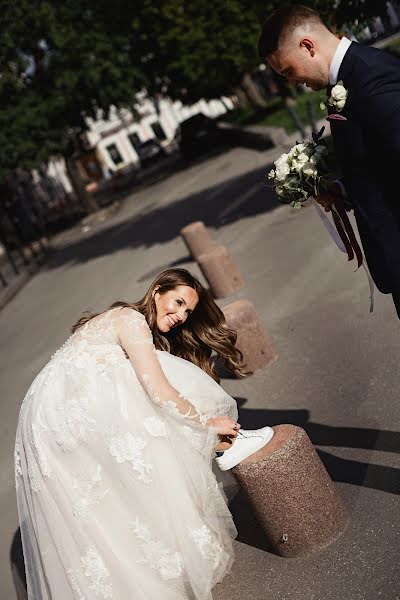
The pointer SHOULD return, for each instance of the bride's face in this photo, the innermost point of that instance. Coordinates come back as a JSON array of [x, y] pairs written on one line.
[[174, 307]]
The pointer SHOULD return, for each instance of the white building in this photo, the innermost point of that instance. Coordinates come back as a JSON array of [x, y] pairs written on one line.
[[115, 138]]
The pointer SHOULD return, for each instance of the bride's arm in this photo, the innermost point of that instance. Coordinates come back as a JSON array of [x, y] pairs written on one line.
[[135, 337]]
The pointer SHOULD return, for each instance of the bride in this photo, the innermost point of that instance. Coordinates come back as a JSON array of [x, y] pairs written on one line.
[[116, 435]]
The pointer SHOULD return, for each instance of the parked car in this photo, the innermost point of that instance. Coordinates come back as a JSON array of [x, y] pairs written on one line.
[[149, 151], [197, 135]]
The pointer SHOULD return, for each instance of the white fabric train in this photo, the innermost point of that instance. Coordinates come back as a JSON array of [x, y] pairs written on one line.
[[116, 494]]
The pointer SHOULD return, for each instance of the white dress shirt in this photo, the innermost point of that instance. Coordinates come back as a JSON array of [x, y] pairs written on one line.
[[337, 60]]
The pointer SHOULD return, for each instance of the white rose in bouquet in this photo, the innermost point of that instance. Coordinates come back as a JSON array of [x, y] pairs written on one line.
[[297, 149], [282, 168], [303, 157], [310, 169]]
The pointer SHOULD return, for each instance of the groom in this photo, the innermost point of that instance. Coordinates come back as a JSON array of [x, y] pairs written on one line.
[[365, 125]]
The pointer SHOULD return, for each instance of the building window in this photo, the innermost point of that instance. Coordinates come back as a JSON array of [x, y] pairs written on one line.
[[158, 131], [134, 140], [114, 154]]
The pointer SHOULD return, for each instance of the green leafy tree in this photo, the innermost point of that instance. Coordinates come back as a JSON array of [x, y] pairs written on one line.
[[61, 62], [197, 49], [337, 13]]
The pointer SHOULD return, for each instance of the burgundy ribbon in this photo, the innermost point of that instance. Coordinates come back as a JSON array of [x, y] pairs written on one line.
[[345, 230]]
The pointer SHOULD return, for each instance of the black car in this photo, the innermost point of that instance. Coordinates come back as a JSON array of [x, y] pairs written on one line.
[[149, 151], [197, 135]]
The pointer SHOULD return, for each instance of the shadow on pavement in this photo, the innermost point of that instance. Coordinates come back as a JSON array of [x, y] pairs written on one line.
[[386, 479], [18, 567], [170, 265], [243, 196]]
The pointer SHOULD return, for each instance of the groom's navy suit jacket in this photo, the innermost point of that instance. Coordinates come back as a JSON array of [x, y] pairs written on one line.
[[367, 146]]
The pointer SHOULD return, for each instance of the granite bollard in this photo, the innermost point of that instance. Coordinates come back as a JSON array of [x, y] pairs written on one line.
[[220, 271], [252, 340], [197, 238], [293, 497]]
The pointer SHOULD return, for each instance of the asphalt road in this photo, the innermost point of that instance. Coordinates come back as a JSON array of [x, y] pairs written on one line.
[[337, 374]]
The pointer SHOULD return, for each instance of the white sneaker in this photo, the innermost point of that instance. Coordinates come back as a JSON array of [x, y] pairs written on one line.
[[247, 442]]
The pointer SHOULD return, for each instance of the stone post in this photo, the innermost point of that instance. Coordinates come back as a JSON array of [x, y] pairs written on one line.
[[197, 239], [293, 497], [221, 272], [252, 341]]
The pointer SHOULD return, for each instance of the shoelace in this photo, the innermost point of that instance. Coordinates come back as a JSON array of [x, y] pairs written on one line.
[[245, 435]]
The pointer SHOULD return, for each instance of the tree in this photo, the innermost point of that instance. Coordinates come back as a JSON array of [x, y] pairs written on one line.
[[60, 63], [335, 12], [197, 49]]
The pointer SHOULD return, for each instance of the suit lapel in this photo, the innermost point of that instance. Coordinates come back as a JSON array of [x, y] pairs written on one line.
[[345, 75], [346, 68]]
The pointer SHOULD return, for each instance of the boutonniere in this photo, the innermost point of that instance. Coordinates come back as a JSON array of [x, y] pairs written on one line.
[[337, 99]]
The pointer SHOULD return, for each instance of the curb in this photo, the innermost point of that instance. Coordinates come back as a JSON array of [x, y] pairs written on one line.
[[19, 281], [101, 215], [17, 284]]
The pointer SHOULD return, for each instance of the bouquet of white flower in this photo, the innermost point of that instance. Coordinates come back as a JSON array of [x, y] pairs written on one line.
[[303, 172]]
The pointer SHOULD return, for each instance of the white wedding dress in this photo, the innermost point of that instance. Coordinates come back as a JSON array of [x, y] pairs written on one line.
[[116, 494]]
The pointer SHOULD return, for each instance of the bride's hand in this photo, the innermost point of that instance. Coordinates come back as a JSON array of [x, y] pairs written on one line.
[[224, 425]]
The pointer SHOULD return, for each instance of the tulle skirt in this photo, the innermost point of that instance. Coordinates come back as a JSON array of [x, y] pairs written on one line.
[[116, 496]]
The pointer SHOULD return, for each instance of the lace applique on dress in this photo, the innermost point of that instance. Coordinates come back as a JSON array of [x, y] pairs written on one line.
[[75, 585], [17, 465], [155, 427], [39, 449], [74, 423], [170, 405], [158, 556], [34, 477], [195, 438], [209, 548], [125, 447], [89, 491], [98, 574], [137, 330]]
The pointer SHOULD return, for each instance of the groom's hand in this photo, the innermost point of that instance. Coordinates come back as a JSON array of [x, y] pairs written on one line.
[[327, 198]]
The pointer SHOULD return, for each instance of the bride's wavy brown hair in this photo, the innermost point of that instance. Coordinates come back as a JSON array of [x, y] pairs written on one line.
[[204, 331]]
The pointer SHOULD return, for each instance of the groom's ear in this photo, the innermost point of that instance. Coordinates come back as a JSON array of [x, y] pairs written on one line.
[[308, 45]]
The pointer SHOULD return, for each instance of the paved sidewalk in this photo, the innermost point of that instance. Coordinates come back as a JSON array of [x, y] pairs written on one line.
[[337, 373]]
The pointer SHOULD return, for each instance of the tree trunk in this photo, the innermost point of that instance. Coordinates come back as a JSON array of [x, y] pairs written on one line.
[[87, 202], [252, 91], [243, 100]]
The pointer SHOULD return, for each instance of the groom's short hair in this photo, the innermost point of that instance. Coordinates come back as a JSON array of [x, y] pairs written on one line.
[[281, 24]]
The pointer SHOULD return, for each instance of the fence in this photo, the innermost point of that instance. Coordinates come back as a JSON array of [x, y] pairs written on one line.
[[31, 209]]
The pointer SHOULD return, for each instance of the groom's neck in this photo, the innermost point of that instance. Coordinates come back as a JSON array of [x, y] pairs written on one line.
[[330, 43]]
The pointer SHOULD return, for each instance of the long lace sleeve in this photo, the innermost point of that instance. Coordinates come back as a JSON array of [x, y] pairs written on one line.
[[136, 338]]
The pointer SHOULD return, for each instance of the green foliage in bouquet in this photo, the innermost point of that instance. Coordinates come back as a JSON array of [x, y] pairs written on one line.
[[306, 170]]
